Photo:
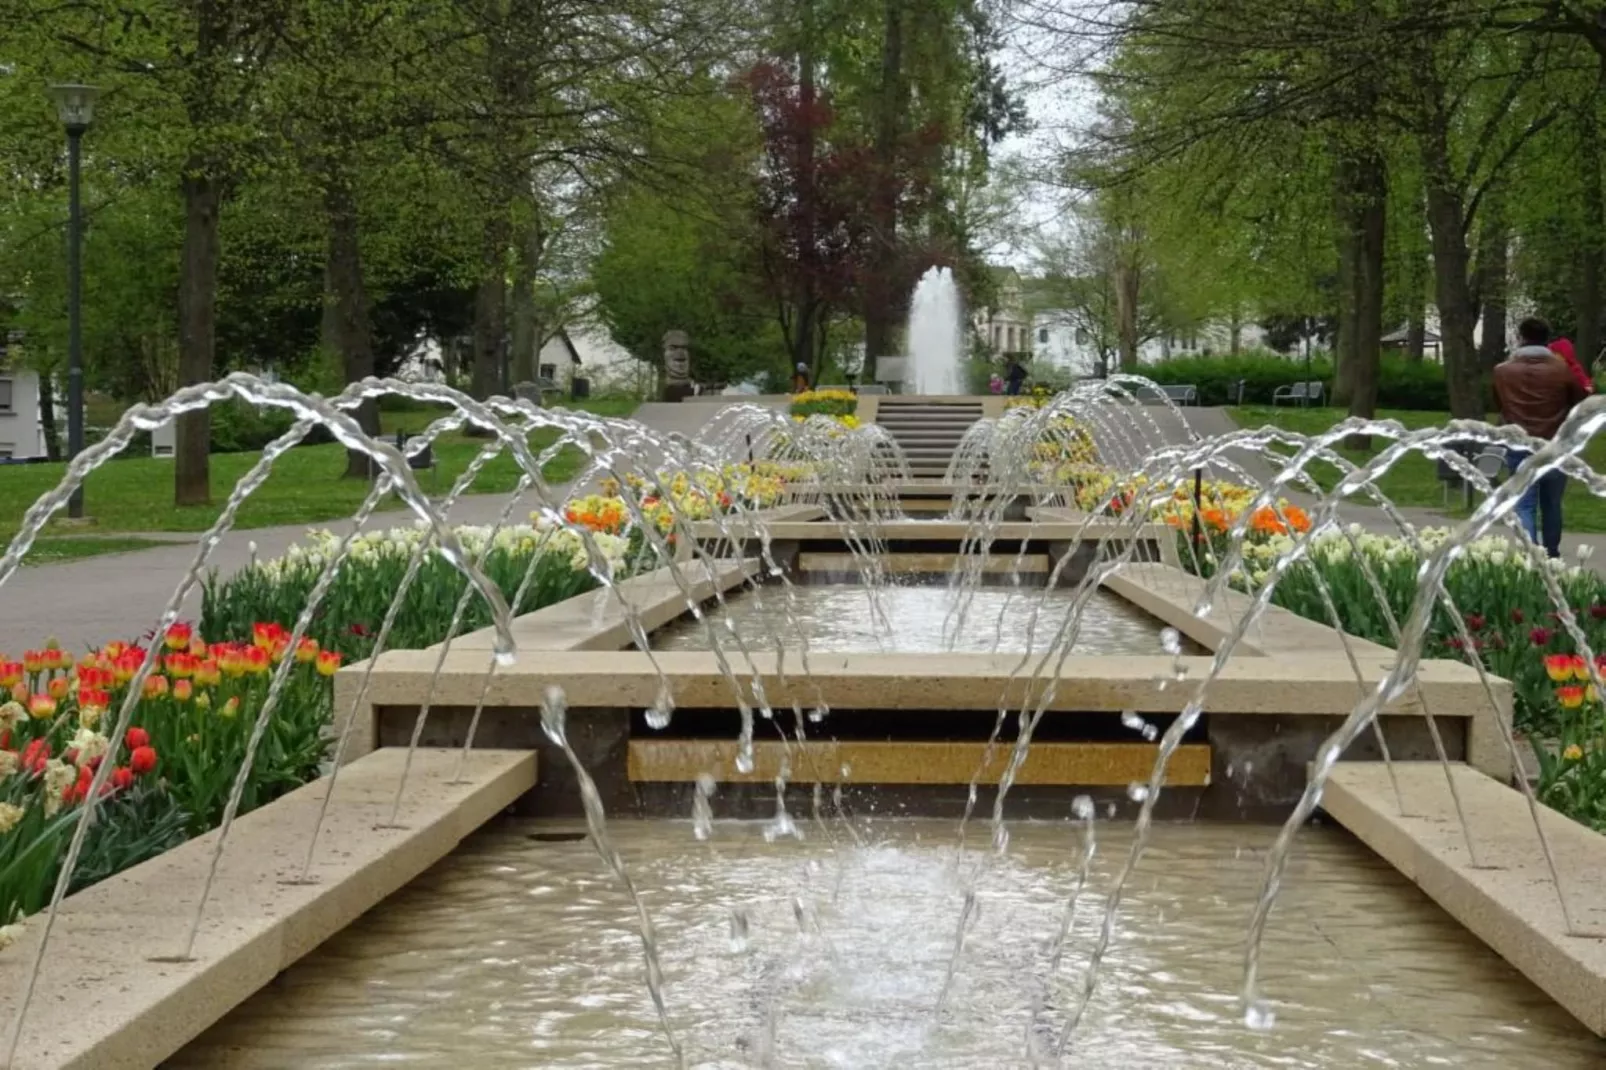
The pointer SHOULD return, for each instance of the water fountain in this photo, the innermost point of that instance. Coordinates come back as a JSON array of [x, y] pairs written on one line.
[[936, 336], [1104, 696]]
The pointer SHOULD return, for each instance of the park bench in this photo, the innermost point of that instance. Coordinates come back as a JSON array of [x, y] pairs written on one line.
[[1181, 393], [1303, 393], [1490, 461]]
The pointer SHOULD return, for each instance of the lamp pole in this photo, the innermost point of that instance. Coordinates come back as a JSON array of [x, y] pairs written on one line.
[[76, 106]]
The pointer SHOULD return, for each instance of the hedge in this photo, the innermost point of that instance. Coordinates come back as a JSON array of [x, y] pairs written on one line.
[[1403, 384]]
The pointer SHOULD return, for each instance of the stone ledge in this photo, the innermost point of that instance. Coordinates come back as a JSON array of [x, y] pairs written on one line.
[[104, 1002], [1513, 907], [1170, 594], [1295, 684], [914, 762], [596, 620]]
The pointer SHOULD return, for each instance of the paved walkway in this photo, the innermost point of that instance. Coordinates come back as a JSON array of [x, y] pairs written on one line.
[[121, 596]]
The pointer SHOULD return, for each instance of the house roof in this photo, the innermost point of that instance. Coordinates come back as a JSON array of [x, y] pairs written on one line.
[[562, 339], [1403, 335]]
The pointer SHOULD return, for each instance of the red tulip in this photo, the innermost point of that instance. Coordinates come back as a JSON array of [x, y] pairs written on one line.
[[1540, 636], [137, 737], [328, 662], [122, 778], [142, 760], [1475, 622], [35, 755]]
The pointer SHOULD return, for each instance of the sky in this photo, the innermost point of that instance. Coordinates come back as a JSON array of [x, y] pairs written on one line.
[[1058, 102]]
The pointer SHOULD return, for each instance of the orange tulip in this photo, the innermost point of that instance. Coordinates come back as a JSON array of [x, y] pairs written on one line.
[[328, 662], [178, 636], [1570, 697]]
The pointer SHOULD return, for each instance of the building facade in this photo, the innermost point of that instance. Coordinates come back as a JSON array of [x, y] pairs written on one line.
[[22, 431]]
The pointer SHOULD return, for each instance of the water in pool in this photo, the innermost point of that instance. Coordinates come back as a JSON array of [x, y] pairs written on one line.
[[919, 619], [519, 953]]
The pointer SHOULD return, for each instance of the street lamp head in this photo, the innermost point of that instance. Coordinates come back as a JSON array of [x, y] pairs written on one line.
[[75, 104]]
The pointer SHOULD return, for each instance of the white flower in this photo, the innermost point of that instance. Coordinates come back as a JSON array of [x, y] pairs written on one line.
[[89, 744], [8, 763], [59, 776], [1497, 557], [10, 714], [1585, 551], [9, 934], [10, 814]]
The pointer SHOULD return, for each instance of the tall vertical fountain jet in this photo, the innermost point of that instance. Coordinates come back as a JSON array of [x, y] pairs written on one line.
[[936, 336]]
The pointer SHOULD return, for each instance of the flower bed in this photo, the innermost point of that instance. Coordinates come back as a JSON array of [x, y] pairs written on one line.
[[692, 496], [824, 403], [174, 768], [352, 611], [1512, 626]]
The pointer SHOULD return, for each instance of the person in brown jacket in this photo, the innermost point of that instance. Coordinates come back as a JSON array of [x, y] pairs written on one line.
[[1536, 390]]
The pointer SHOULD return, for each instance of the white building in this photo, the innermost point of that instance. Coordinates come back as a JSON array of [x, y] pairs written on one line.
[[1058, 343], [1004, 328], [22, 432]]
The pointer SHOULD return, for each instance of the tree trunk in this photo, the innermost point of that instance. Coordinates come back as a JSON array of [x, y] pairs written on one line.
[[1366, 338], [197, 331], [1236, 332], [1347, 227], [879, 305], [1127, 282], [1457, 313], [47, 417], [1587, 298], [490, 311], [1451, 286], [526, 335], [807, 208], [348, 295], [1493, 240], [1361, 199], [1416, 333]]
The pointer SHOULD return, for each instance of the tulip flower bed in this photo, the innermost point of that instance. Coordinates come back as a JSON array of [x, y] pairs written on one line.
[[824, 403], [1512, 626], [349, 617], [691, 496], [171, 772]]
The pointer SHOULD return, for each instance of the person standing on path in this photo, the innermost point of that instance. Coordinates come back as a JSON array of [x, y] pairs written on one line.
[[800, 378], [1016, 375], [1536, 390]]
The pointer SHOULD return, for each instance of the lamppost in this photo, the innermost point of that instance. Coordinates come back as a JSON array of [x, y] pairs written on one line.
[[75, 104]]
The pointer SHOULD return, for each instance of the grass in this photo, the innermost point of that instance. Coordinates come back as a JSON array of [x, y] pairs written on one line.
[[50, 550], [1413, 481], [305, 487]]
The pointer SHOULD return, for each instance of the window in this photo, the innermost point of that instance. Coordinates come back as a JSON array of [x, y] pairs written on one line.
[[1081, 336], [7, 451], [1042, 334], [549, 371], [6, 403]]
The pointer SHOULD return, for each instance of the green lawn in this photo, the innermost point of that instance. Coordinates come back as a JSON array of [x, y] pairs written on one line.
[[1413, 481], [305, 487], [48, 550]]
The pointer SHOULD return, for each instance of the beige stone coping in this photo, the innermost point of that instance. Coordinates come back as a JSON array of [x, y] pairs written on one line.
[[596, 620], [1294, 684], [902, 762], [932, 488], [1510, 901], [937, 530], [103, 1002], [896, 564], [1171, 594]]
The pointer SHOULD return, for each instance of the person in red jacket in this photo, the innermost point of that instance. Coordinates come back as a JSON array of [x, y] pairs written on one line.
[[1564, 349]]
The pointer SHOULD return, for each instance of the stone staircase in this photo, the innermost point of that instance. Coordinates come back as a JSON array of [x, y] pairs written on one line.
[[927, 432]]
